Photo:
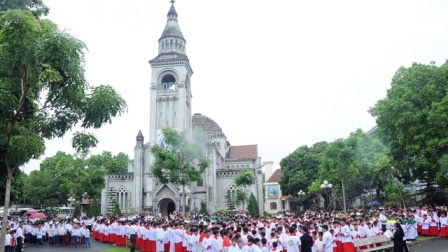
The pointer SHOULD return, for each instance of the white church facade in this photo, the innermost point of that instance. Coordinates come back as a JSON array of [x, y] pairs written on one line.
[[170, 105]]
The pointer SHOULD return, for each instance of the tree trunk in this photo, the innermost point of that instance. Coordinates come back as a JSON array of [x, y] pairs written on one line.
[[398, 188], [7, 200], [343, 196]]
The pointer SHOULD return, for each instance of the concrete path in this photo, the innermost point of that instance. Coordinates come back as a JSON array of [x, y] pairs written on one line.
[[437, 245], [96, 246]]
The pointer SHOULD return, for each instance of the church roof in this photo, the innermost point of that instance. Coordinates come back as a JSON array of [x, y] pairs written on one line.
[[243, 152], [169, 57], [275, 177], [172, 28], [209, 126]]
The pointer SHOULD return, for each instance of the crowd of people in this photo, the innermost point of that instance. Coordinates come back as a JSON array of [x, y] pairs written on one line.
[[311, 231]]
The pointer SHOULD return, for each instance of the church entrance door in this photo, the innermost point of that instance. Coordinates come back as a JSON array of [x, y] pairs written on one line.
[[166, 206]]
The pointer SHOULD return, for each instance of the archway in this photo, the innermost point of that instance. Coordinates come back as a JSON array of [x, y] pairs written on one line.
[[166, 206]]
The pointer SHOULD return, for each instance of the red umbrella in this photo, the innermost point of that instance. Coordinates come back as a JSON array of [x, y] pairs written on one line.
[[38, 216], [32, 211]]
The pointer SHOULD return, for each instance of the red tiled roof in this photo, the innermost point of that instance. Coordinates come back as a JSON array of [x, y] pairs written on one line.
[[244, 152], [85, 201], [276, 176]]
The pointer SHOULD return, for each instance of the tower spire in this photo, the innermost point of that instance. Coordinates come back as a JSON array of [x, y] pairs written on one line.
[[172, 39]]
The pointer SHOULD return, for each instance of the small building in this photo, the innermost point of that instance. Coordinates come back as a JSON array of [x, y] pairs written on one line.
[[274, 201]]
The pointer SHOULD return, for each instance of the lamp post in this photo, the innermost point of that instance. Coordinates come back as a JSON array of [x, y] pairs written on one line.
[[86, 195], [300, 194], [70, 200], [325, 186]]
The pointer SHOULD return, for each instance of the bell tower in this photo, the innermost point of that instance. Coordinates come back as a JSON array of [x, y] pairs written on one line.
[[170, 92]]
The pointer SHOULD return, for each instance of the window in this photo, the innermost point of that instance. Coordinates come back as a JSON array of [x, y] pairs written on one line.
[[200, 183], [168, 83], [273, 205]]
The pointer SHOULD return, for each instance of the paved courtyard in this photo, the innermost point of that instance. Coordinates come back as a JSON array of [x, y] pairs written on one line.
[[438, 245], [96, 246]]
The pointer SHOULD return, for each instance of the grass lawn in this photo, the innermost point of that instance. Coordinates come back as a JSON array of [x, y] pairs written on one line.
[[117, 249], [423, 238]]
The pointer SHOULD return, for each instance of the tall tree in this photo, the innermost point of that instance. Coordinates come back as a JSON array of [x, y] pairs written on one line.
[[43, 92], [112, 164], [301, 168], [252, 206], [413, 118], [230, 200], [245, 178], [182, 159], [241, 197], [94, 208], [37, 7], [65, 176], [203, 210], [374, 161], [18, 189], [339, 165]]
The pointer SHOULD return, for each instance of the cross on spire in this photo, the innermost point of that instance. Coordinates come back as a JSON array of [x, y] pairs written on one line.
[[172, 2]]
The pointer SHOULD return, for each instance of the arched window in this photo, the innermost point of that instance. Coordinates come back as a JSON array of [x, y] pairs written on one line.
[[168, 83], [273, 205]]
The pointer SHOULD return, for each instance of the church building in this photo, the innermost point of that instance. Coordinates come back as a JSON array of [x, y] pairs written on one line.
[[170, 105]]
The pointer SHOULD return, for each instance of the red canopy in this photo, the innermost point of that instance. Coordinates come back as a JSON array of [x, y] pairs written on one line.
[[38, 216], [31, 211]]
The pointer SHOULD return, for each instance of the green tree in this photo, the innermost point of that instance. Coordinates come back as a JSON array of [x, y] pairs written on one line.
[[65, 176], [252, 206], [230, 200], [18, 192], [109, 162], [245, 178], [301, 168], [50, 193], [241, 197], [94, 208], [116, 211], [37, 7], [203, 210], [375, 162], [43, 92], [76, 211], [413, 118], [111, 195], [337, 165], [393, 192], [51, 211], [180, 160]]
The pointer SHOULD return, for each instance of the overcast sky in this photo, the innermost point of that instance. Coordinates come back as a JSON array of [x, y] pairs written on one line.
[[280, 74]]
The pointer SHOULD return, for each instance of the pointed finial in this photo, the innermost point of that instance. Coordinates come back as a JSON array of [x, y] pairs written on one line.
[[172, 2]]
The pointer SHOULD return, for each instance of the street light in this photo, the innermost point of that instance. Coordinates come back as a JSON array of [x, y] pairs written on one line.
[[70, 200], [301, 193], [325, 186]]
